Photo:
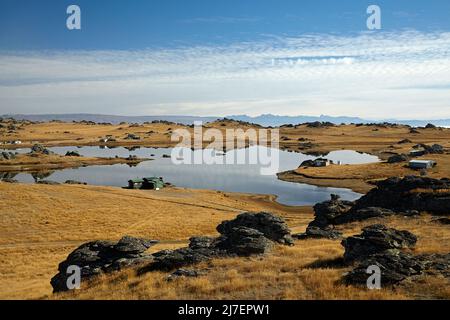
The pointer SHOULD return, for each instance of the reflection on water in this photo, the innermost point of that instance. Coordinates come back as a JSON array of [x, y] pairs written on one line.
[[228, 177]]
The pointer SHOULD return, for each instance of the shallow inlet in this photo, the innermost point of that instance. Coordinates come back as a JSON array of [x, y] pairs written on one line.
[[236, 177]]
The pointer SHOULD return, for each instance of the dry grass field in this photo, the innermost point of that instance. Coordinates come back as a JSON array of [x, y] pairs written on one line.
[[41, 224], [305, 271]]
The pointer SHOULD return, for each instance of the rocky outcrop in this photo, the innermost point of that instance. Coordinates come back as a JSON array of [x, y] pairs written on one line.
[[96, 257], [48, 182], [320, 124], [40, 149], [72, 154], [409, 193], [406, 196], [380, 246], [427, 149], [375, 239], [395, 266], [74, 182], [325, 214], [248, 234], [271, 226], [398, 158], [7, 155], [184, 273]]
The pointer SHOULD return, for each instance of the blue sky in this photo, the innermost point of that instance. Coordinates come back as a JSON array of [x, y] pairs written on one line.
[[222, 57]]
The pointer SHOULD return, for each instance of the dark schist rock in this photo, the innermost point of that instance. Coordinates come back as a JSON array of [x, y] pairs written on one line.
[[40, 149], [271, 226], [184, 273], [248, 234], [319, 233], [395, 266], [96, 257], [244, 241], [380, 246], [409, 193], [72, 154], [375, 239], [325, 214], [398, 158], [441, 220]]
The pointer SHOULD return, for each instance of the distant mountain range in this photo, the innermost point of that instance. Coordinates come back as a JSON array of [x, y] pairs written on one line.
[[99, 118], [264, 120], [274, 120]]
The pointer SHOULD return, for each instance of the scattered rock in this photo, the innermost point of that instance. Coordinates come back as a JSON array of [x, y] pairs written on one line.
[[72, 154], [319, 124], [441, 220], [404, 141], [376, 239], [244, 241], [430, 126], [271, 226], [48, 182], [398, 158], [7, 155], [409, 193], [307, 145], [94, 258], [180, 273], [427, 149], [325, 214], [40, 149], [316, 232], [131, 136], [395, 266], [74, 182]]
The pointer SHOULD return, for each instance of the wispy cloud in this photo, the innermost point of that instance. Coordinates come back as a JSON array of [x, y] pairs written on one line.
[[310, 74]]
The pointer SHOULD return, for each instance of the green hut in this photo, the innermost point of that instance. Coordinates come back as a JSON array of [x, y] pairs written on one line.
[[150, 183]]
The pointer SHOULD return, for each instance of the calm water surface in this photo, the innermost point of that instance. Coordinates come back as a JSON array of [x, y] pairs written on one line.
[[228, 177]]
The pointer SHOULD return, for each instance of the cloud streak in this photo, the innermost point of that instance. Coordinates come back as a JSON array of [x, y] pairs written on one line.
[[355, 75]]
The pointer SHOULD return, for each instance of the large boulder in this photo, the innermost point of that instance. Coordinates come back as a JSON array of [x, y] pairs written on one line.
[[395, 266], [313, 232], [244, 241], [398, 158], [325, 215], [96, 257], [376, 239], [40, 149], [271, 226], [409, 193], [364, 214]]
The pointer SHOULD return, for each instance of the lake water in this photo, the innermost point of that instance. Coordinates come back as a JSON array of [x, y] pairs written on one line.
[[234, 177]]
